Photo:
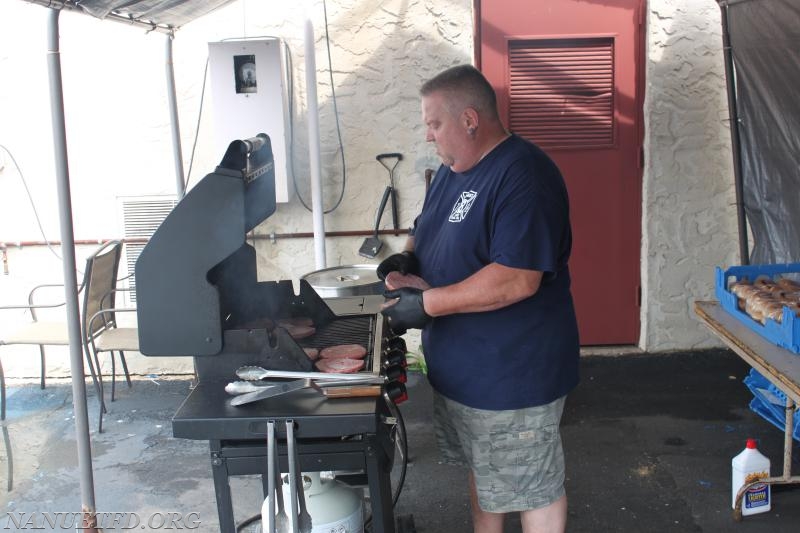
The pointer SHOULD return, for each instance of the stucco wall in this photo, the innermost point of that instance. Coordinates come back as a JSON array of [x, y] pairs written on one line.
[[689, 218], [119, 139], [381, 52]]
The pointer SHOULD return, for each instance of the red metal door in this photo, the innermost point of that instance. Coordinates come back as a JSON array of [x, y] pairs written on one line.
[[568, 76]]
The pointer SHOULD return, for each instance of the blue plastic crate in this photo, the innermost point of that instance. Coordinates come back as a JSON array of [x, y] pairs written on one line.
[[786, 333], [770, 403]]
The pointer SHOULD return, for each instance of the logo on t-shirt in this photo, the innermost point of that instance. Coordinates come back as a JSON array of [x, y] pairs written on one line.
[[463, 204]]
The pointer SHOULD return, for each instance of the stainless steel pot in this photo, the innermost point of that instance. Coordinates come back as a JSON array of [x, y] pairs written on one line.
[[346, 280]]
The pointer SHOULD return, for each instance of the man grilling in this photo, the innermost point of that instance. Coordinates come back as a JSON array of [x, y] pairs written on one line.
[[499, 331]]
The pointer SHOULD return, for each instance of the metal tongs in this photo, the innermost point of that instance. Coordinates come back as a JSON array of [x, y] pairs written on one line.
[[269, 527], [274, 390], [256, 373], [302, 380], [297, 497], [274, 523]]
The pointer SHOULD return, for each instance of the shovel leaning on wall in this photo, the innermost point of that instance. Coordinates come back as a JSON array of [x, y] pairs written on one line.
[[372, 245]]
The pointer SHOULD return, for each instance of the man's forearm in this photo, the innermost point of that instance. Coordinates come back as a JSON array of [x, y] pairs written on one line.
[[493, 287]]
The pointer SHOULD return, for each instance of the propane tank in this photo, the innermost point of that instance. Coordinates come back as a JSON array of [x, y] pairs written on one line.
[[333, 506]]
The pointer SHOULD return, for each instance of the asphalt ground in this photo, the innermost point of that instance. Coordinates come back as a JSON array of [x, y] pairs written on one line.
[[648, 440]]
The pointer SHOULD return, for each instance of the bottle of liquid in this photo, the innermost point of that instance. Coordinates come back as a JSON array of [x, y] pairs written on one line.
[[749, 466]]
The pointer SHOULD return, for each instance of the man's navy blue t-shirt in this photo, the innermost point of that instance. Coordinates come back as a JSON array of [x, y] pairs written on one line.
[[511, 209]]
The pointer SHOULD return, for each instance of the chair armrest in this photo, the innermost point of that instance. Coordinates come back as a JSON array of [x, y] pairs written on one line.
[[31, 308], [116, 310], [104, 299], [42, 286], [103, 312], [40, 306]]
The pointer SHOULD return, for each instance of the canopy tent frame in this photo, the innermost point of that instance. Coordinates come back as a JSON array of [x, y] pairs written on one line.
[[88, 508], [105, 9], [182, 12], [733, 114], [83, 440]]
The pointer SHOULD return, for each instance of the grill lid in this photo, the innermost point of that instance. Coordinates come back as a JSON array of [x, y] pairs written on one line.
[[197, 269], [346, 280]]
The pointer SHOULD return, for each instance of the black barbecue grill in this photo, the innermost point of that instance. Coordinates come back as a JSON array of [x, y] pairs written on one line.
[[198, 294]]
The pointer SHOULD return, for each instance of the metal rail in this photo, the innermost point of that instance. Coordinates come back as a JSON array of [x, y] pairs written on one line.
[[5, 245]]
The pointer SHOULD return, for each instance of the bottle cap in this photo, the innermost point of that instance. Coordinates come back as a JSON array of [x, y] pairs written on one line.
[[751, 444]]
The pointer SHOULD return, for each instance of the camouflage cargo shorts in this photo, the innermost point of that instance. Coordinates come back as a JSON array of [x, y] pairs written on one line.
[[515, 456]]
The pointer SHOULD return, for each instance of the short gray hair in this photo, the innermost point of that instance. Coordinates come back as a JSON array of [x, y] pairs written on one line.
[[468, 86]]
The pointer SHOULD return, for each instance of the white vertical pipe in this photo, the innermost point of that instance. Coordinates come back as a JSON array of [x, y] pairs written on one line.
[[313, 142], [174, 123]]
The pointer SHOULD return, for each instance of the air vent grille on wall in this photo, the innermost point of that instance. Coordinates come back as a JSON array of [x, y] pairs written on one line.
[[141, 218], [561, 91]]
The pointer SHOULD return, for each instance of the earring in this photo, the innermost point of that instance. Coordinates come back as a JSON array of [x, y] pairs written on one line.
[[470, 131]]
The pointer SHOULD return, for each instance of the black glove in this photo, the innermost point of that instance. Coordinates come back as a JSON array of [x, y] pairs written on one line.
[[404, 262], [408, 312]]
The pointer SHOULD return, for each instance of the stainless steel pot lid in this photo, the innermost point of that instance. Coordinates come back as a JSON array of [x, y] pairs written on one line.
[[344, 277]]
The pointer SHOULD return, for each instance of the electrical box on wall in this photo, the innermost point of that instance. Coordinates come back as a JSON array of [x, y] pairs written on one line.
[[249, 97]]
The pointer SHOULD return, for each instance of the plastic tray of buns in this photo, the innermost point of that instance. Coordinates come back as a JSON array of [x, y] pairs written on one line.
[[766, 298]]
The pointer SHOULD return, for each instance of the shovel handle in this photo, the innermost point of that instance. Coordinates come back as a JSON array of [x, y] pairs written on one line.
[[397, 157], [386, 193], [395, 223], [394, 155]]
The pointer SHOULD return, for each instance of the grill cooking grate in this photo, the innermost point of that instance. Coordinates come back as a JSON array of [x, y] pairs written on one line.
[[351, 330]]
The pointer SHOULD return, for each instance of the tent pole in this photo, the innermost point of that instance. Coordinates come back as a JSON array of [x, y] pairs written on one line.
[[175, 127], [70, 280], [744, 252], [312, 107]]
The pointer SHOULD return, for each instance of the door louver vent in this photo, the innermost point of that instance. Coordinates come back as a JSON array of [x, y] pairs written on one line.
[[141, 218], [561, 91]]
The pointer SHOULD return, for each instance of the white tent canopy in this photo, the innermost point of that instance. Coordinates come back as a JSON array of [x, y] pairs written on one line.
[[163, 15]]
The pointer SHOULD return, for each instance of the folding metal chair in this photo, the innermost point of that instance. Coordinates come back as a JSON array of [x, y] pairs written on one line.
[[98, 289]]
